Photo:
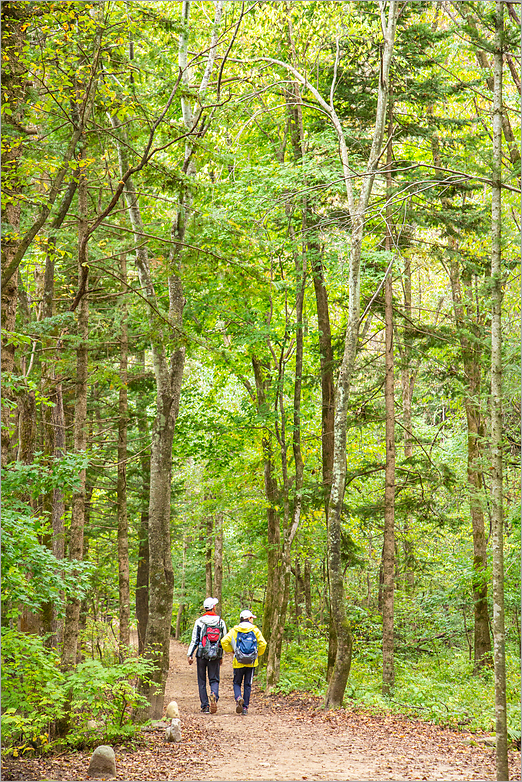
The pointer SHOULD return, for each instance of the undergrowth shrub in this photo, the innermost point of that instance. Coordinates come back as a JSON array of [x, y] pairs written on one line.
[[437, 687], [36, 694]]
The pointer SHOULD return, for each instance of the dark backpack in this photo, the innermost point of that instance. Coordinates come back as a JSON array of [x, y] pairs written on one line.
[[209, 644], [246, 647]]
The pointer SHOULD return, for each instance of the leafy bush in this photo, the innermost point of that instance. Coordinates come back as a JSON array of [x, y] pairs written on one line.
[[31, 574], [303, 666], [37, 694]]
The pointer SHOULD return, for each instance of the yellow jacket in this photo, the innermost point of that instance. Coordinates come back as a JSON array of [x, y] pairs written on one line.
[[243, 627]]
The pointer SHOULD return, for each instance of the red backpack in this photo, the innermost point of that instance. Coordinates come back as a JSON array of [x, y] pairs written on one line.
[[209, 644]]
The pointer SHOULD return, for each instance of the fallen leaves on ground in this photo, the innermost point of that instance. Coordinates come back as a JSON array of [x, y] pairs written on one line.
[[152, 759], [402, 748]]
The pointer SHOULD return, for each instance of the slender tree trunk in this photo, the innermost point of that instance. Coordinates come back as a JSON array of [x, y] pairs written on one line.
[[218, 559], [279, 614], [407, 384], [181, 605], [298, 591], [464, 311], [307, 583], [58, 504], [496, 409], [209, 532], [72, 613], [123, 525], [337, 685], [388, 552], [272, 497], [142, 572]]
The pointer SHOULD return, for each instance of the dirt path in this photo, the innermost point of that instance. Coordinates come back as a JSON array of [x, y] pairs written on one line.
[[281, 739]]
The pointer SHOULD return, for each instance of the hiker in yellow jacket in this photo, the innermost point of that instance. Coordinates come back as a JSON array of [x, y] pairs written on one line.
[[247, 642]]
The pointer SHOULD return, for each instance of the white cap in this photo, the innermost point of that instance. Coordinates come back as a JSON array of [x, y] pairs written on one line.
[[246, 614], [210, 602]]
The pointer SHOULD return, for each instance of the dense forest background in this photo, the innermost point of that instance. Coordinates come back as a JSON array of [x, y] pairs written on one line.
[[260, 310]]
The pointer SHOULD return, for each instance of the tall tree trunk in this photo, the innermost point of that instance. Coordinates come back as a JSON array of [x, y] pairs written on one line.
[[281, 605], [72, 613], [407, 384], [496, 409], [14, 76], [168, 373], [123, 525], [182, 596], [218, 559], [55, 417], [209, 531], [337, 685], [272, 497], [307, 585], [470, 327], [388, 551], [298, 590], [467, 320], [142, 571]]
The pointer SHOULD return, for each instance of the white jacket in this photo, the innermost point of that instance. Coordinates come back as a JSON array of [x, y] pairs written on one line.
[[207, 619]]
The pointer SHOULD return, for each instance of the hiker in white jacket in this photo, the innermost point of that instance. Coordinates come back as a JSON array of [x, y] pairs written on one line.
[[208, 631]]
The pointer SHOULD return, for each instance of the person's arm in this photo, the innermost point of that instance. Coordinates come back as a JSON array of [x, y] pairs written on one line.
[[194, 641], [226, 641]]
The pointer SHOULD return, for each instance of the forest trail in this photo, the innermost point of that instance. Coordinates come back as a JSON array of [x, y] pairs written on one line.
[[282, 738], [289, 739]]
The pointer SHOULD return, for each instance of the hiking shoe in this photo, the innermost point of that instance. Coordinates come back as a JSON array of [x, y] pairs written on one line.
[[213, 703], [205, 710], [245, 711], [239, 706]]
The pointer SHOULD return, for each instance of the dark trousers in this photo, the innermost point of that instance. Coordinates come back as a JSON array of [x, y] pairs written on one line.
[[210, 667], [243, 675]]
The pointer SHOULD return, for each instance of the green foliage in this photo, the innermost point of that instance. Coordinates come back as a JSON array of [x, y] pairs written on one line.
[[43, 474], [37, 694], [31, 574], [438, 687], [303, 665]]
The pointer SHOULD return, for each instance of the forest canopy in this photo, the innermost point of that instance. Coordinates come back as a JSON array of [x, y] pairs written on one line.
[[260, 340]]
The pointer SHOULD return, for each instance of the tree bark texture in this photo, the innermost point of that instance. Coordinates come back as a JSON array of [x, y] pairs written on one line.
[[182, 596], [76, 532], [388, 550], [142, 571], [272, 497], [13, 92], [168, 373], [208, 538], [407, 385], [218, 559], [499, 640], [123, 524]]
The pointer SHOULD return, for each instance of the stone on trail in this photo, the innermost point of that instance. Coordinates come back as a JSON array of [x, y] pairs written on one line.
[[103, 763], [172, 710], [173, 732]]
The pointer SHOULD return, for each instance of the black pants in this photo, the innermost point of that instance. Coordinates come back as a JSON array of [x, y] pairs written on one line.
[[243, 675], [210, 667]]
